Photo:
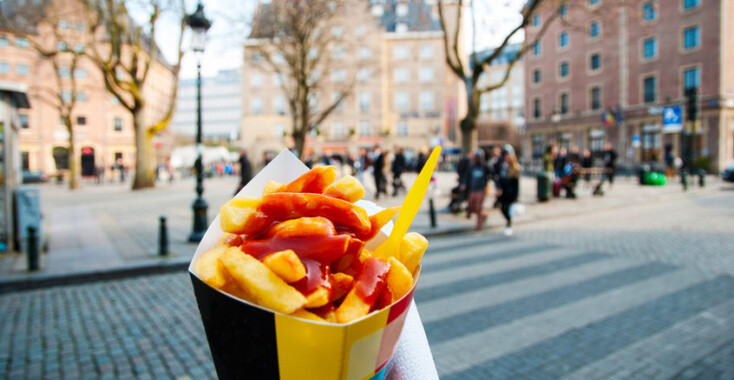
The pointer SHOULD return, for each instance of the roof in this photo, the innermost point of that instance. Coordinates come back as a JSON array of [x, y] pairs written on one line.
[[507, 54], [418, 18]]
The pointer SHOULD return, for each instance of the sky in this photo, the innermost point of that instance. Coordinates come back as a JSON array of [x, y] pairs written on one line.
[[494, 18]]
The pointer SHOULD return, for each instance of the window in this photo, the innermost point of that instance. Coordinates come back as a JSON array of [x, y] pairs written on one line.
[[66, 96], [23, 120], [118, 124], [256, 105], [538, 146], [536, 108], [79, 48], [649, 47], [427, 101], [595, 61], [536, 21], [649, 84], [564, 103], [594, 30], [337, 31], [536, 48], [563, 10], [64, 71], [338, 76], [400, 52], [365, 101], [426, 74], [81, 120], [363, 74], [402, 104], [401, 9], [21, 69], [21, 42], [256, 80], [690, 37], [63, 24], [595, 98], [400, 75], [4, 42], [339, 106], [363, 52], [277, 80], [402, 128], [426, 52], [563, 39], [337, 129], [401, 27], [537, 76], [279, 104], [359, 31], [79, 26], [338, 52], [563, 69], [313, 102], [648, 11], [80, 73], [688, 4], [278, 130], [313, 53], [364, 128], [4, 68], [257, 57], [62, 46], [691, 78], [81, 96]]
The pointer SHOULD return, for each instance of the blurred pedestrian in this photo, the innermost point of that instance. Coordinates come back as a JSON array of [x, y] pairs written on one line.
[[475, 183], [378, 166], [245, 171], [610, 162], [560, 162], [548, 158], [462, 169], [121, 167], [669, 161], [570, 176], [509, 189], [397, 167], [586, 163], [361, 164], [422, 158]]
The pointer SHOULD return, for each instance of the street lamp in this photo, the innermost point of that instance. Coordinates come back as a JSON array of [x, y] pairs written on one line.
[[199, 25]]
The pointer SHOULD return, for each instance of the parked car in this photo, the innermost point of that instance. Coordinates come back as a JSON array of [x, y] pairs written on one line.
[[728, 173], [34, 176]]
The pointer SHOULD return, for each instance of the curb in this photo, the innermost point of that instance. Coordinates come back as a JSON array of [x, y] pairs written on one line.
[[43, 280]]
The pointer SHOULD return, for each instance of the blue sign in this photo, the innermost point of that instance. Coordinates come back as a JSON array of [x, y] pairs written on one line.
[[672, 119]]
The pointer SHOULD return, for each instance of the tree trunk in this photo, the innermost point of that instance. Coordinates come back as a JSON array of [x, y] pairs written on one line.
[[299, 140], [469, 139], [144, 160], [73, 157]]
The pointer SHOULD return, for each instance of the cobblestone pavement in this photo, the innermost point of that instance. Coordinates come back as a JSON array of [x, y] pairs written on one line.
[[560, 299]]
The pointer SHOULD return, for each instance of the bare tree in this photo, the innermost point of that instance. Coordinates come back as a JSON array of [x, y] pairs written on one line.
[[49, 28], [301, 42], [126, 52], [470, 75]]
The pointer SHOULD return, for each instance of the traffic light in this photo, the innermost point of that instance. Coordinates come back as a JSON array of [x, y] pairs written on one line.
[[692, 103]]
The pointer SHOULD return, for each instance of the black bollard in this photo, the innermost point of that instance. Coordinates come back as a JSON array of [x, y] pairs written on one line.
[[432, 212], [32, 249], [163, 238]]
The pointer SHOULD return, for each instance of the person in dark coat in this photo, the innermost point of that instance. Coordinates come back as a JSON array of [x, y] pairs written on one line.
[[509, 185], [397, 168], [475, 183], [245, 171], [378, 168], [560, 162], [422, 159], [610, 162], [586, 163]]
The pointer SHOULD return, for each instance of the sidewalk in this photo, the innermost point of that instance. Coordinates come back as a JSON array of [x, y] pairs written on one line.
[[109, 231]]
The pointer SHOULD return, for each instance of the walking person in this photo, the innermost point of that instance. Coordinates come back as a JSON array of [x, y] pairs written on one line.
[[397, 167], [378, 168], [476, 184], [245, 171], [509, 185], [549, 158], [610, 162]]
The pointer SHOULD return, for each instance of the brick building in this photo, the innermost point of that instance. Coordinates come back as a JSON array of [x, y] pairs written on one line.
[[404, 93], [625, 61], [103, 129]]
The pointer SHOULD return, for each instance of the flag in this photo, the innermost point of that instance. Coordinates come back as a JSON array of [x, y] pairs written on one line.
[[607, 118]]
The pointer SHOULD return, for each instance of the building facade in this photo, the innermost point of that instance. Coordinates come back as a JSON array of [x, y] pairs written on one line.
[[103, 129], [604, 72], [221, 106], [502, 112], [404, 94]]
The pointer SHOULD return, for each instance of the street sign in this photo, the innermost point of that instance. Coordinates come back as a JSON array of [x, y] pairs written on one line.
[[672, 119], [636, 141]]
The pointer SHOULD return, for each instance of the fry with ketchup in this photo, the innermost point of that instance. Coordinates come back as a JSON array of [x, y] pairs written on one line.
[[300, 250]]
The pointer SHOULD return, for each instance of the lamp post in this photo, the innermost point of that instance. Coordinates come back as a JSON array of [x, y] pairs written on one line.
[[199, 25]]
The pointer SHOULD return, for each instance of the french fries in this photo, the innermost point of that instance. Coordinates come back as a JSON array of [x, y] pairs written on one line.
[[300, 250]]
